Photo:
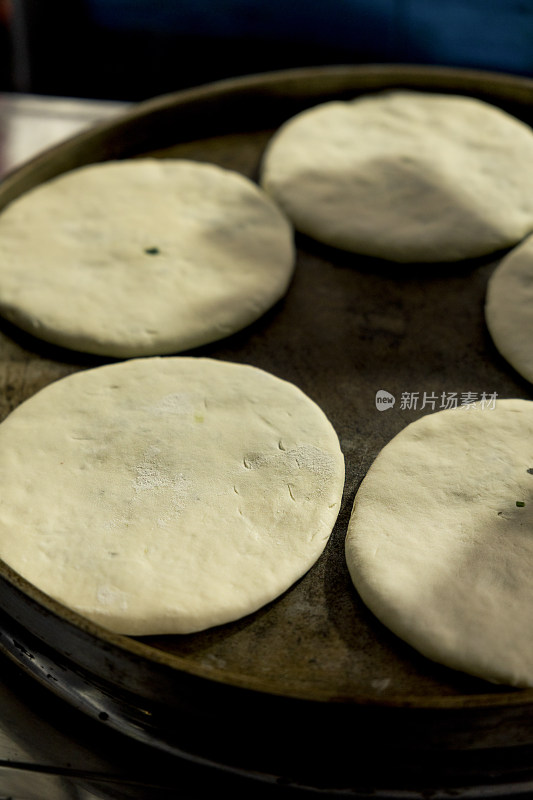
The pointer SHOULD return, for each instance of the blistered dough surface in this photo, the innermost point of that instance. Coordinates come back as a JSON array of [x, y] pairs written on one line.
[[142, 257], [167, 495], [405, 176], [440, 542]]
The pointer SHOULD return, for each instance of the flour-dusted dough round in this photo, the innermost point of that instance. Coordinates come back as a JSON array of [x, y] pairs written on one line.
[[167, 495], [142, 257], [440, 542], [406, 176], [509, 308]]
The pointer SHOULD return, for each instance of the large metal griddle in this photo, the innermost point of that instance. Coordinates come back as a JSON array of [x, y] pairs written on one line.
[[311, 692]]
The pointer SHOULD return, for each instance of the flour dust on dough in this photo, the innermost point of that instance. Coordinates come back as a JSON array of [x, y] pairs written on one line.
[[404, 175], [440, 541], [142, 257], [167, 495], [509, 308]]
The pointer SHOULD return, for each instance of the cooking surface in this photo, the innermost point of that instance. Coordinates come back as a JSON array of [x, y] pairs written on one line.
[[348, 327]]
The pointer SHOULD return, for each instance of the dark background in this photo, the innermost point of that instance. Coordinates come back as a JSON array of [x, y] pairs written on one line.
[[134, 49]]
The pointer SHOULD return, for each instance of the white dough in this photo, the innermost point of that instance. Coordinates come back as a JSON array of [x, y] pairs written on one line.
[[405, 176], [509, 308], [167, 495], [142, 257], [437, 546]]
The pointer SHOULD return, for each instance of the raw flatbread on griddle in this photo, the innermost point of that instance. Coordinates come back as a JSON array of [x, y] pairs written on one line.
[[440, 542], [509, 308], [142, 257], [167, 495], [405, 176]]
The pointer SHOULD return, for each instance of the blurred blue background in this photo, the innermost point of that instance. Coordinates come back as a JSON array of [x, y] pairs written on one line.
[[132, 49]]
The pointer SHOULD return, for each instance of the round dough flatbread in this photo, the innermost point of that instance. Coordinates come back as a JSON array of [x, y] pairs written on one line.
[[142, 257], [167, 495], [405, 176], [509, 308], [440, 543]]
